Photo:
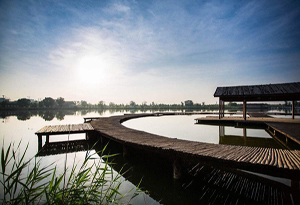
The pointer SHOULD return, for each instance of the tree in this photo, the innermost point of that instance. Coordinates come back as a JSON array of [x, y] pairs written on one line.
[[132, 104], [41, 104], [144, 104], [111, 105], [23, 102], [34, 104], [83, 103], [188, 103], [101, 104], [232, 104], [48, 102], [60, 101]]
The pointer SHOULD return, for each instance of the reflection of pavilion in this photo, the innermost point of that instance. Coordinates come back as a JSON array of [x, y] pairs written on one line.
[[245, 140]]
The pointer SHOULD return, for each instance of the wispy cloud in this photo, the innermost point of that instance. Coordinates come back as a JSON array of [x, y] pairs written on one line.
[[173, 45]]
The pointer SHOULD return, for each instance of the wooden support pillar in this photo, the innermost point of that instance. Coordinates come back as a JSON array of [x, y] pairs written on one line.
[[125, 151], [177, 169], [223, 108], [295, 185], [47, 139], [87, 136], [40, 142], [245, 110], [220, 101], [221, 131], [293, 109], [221, 134], [245, 135], [245, 132]]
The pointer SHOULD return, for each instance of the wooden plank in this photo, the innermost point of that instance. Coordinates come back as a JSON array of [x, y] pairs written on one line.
[[65, 129]]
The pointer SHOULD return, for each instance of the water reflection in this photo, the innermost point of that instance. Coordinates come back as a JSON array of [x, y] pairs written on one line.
[[54, 148], [245, 140], [201, 184], [49, 115]]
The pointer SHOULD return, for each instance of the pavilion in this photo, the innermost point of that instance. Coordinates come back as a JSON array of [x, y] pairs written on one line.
[[262, 93]]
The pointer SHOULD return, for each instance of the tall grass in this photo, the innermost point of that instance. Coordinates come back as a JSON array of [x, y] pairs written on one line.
[[26, 182]]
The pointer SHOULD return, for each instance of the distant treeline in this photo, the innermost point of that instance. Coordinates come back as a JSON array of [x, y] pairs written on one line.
[[49, 103]]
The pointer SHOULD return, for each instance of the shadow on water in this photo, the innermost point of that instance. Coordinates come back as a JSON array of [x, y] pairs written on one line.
[[200, 183]]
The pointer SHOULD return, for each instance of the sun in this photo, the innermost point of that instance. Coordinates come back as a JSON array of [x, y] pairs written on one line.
[[92, 69]]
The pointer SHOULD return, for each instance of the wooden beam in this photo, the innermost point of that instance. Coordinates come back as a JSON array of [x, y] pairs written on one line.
[[177, 166]]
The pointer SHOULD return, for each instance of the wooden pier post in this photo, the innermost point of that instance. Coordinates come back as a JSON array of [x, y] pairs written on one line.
[[177, 169], [245, 132], [223, 108], [245, 135], [220, 108], [125, 151], [293, 109], [295, 185], [245, 110], [40, 142]]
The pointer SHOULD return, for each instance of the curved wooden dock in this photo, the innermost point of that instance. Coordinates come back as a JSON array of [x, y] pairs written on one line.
[[275, 162]]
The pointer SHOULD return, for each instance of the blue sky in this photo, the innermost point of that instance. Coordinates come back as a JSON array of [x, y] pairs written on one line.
[[161, 51]]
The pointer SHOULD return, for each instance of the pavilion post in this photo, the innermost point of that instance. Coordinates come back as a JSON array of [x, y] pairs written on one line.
[[40, 142], [220, 108], [223, 108], [293, 109], [245, 110]]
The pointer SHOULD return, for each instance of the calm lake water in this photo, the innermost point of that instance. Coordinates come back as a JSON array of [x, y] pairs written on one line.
[[156, 175], [184, 127]]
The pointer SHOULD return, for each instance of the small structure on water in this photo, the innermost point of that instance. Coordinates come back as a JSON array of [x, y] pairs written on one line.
[[258, 93]]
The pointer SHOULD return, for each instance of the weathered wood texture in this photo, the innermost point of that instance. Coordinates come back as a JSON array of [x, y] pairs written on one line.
[[284, 91], [277, 162], [65, 129]]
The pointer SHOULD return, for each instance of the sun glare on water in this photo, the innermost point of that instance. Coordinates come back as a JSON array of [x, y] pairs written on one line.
[[92, 69]]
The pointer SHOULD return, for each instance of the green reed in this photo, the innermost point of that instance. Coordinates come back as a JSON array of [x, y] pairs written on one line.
[[26, 182]]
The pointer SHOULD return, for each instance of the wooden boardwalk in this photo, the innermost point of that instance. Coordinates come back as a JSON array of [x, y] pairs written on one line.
[[276, 162], [65, 129]]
